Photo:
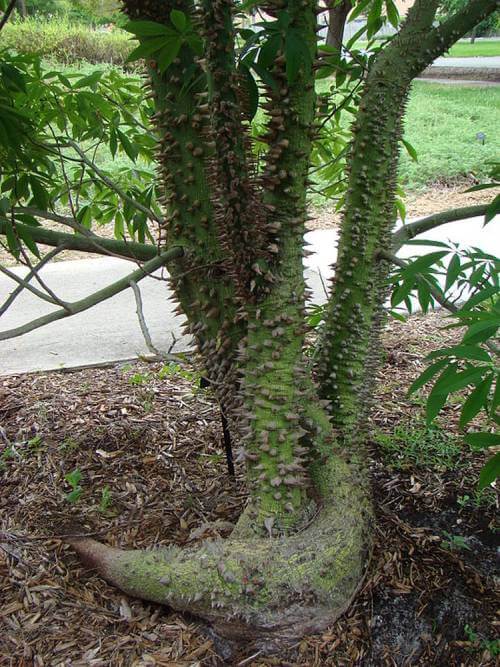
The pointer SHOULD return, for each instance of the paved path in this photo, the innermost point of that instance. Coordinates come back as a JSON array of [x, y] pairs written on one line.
[[479, 62], [110, 331]]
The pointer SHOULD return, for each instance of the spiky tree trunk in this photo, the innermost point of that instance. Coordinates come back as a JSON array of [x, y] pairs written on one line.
[[297, 553]]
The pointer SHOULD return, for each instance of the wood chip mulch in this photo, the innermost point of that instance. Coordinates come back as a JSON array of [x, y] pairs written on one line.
[[148, 447]]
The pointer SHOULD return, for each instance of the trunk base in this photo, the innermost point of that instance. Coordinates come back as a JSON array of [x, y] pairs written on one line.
[[267, 592]]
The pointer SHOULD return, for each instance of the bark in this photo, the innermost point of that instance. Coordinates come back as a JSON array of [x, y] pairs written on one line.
[[21, 8], [337, 17]]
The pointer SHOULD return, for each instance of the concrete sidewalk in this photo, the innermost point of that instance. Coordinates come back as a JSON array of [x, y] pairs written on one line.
[[475, 68], [111, 331]]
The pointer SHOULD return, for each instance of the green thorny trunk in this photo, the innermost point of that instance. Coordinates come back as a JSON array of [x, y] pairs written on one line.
[[297, 553]]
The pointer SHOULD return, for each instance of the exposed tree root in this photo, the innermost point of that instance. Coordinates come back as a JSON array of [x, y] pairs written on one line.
[[266, 591]]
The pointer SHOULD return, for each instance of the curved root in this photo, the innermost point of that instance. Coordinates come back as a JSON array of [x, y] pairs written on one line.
[[269, 590]]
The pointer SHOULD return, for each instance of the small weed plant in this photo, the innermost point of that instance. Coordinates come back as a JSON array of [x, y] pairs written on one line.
[[74, 478], [426, 446]]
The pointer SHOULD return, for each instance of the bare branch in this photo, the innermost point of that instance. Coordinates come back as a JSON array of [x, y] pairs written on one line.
[[24, 284], [144, 327], [409, 231], [27, 262], [97, 297], [13, 296]]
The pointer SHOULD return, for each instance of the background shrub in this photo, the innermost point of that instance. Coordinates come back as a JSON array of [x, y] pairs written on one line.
[[67, 42]]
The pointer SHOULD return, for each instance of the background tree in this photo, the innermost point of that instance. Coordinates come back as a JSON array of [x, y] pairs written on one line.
[[231, 226], [337, 17], [486, 27]]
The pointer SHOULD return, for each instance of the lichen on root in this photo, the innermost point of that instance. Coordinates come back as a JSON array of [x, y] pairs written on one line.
[[267, 591]]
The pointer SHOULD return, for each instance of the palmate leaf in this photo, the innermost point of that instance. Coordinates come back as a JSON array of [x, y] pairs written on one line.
[[169, 53], [147, 48], [147, 28], [179, 20], [449, 381]]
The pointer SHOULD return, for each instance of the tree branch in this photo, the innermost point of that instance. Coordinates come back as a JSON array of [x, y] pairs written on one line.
[[409, 231], [13, 296], [7, 13], [95, 244], [24, 284], [144, 327], [97, 297], [55, 217]]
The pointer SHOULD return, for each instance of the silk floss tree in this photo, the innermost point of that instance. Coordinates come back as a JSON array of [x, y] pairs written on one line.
[[232, 230]]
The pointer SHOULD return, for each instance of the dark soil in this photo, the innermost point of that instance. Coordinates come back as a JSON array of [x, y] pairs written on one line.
[[148, 446]]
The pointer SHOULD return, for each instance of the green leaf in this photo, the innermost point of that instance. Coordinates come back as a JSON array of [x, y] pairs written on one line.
[[127, 146], [481, 331], [374, 20], [13, 78], [146, 28], [490, 471], [89, 81], [456, 381], [113, 142], [25, 236], [482, 440], [492, 210], [147, 48], [195, 43], [297, 54], [169, 53], [392, 13], [12, 240], [424, 296], [453, 271], [74, 496], [479, 297], [179, 20], [422, 263], [495, 401], [409, 148], [461, 352], [251, 91], [268, 51], [435, 402], [429, 372], [476, 401], [359, 9], [401, 292]]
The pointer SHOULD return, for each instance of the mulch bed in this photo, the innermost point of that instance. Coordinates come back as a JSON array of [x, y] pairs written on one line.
[[148, 446]]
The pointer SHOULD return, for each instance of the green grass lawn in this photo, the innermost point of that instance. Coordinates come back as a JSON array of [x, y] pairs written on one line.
[[481, 48], [464, 49], [441, 123]]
